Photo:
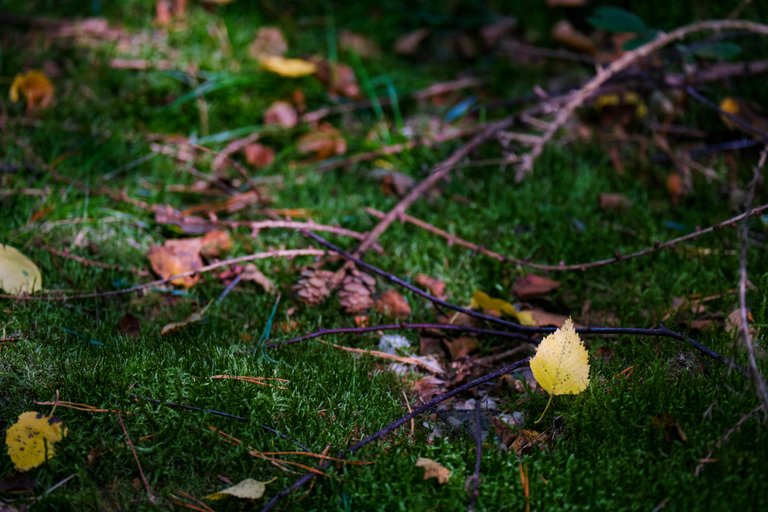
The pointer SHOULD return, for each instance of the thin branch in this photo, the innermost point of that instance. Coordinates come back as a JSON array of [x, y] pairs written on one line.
[[620, 64], [282, 253], [296, 225], [402, 326], [398, 423], [187, 407], [474, 480], [150, 496], [660, 331], [658, 246], [437, 174], [758, 379]]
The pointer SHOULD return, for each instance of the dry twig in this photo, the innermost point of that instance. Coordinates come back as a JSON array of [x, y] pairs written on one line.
[[620, 64]]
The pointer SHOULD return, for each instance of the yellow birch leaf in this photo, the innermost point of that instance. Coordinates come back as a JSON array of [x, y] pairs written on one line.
[[18, 274], [30, 440], [484, 301], [248, 489], [291, 68], [561, 363], [36, 88]]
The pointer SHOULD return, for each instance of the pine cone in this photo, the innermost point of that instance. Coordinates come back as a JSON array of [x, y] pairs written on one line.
[[356, 292], [314, 286]]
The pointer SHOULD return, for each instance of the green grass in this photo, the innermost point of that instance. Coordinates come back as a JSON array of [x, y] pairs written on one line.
[[607, 453]]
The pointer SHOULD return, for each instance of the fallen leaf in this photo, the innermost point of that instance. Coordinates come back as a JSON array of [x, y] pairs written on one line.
[[188, 224], [392, 303], [289, 68], [565, 33], [36, 88], [259, 155], [434, 286], [544, 318], [18, 274], [338, 78], [434, 470], [426, 388], [484, 301], [248, 489], [177, 257], [753, 121], [733, 323], [215, 243], [281, 113], [461, 347], [31, 439], [359, 44], [533, 285], [324, 142], [615, 202], [561, 363], [269, 42], [675, 187], [252, 273], [491, 34], [407, 44]]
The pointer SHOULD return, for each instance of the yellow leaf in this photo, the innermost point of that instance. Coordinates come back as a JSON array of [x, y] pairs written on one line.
[[292, 68], [561, 363], [433, 469], [484, 301], [18, 274], [248, 489], [36, 88], [30, 440]]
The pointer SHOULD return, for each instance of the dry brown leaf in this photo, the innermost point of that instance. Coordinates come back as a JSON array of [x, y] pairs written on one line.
[[177, 257], [407, 44], [675, 187], [252, 273], [543, 318], [392, 303], [215, 243], [461, 346], [434, 286], [269, 42], [322, 143], [733, 324], [189, 224], [259, 155], [533, 285], [565, 33], [491, 34], [338, 78], [359, 44], [433, 469], [426, 388], [615, 202], [281, 113]]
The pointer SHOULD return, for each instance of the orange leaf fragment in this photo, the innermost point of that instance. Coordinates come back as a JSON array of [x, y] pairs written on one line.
[[36, 88]]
